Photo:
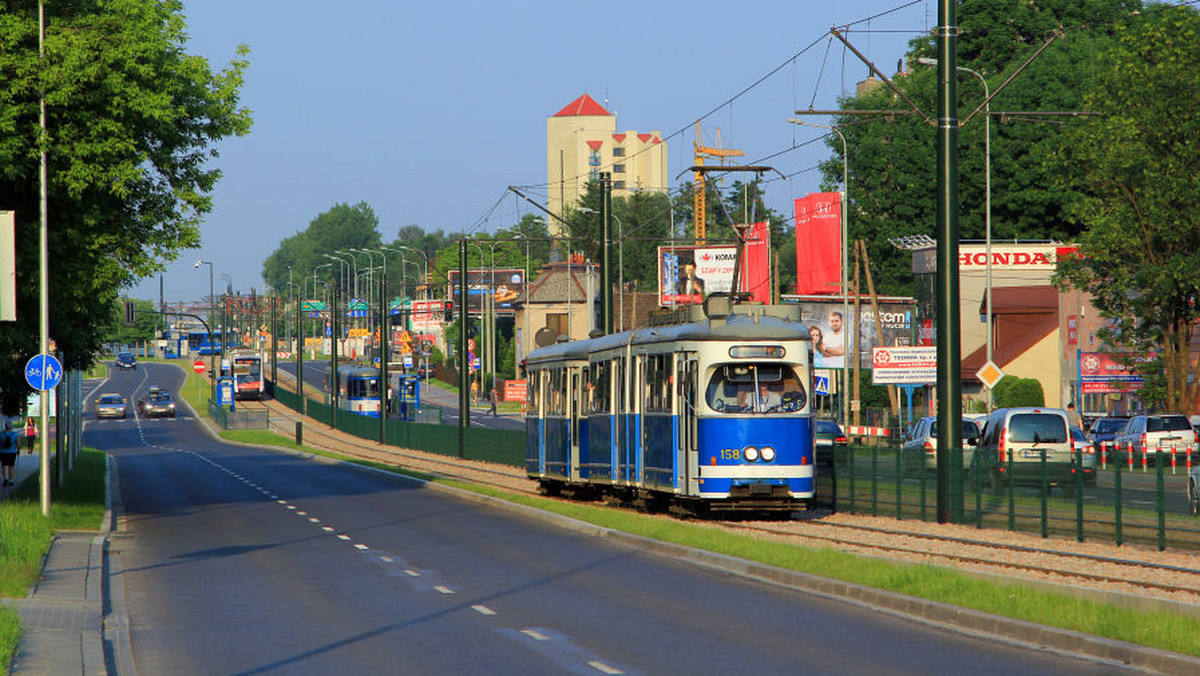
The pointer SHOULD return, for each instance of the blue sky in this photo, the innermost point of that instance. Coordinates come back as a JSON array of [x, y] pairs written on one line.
[[428, 111]]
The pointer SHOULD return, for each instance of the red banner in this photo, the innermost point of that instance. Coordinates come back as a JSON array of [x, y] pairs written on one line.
[[757, 277], [819, 243]]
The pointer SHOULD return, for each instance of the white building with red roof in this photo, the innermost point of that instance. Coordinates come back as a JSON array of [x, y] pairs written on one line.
[[582, 141]]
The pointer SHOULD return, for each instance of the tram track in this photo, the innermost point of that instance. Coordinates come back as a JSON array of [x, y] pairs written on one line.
[[1056, 564]]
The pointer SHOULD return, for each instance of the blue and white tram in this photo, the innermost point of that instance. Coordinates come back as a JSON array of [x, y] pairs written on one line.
[[710, 414], [358, 390]]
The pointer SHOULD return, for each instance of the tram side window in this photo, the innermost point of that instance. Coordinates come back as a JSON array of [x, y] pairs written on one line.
[[600, 386], [763, 388], [532, 400], [658, 381], [557, 404]]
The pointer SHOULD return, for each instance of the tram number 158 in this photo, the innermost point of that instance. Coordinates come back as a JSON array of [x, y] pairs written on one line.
[[731, 453]]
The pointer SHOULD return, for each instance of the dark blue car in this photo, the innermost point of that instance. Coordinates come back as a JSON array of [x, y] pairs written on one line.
[[126, 360]]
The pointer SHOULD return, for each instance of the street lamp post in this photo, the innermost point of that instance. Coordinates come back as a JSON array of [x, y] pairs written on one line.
[[212, 299], [845, 267], [425, 256]]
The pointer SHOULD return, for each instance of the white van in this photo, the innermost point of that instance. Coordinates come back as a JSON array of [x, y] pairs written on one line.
[[1014, 440]]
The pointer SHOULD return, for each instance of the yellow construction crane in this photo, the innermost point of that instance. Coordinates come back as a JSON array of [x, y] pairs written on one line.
[[702, 151]]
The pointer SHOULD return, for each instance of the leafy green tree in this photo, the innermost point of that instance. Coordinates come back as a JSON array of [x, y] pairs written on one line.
[[132, 120], [343, 227], [892, 158], [1133, 174]]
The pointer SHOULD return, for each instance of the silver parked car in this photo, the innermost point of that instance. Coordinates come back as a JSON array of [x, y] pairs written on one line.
[[918, 451], [1166, 432]]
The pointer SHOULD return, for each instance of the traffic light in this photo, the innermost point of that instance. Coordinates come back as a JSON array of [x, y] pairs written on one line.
[[130, 313], [448, 310]]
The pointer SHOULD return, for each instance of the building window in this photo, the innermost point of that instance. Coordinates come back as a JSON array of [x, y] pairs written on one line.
[[618, 152], [618, 185], [618, 168], [557, 322]]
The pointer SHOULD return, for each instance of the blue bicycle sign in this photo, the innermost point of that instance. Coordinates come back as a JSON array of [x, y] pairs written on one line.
[[43, 372]]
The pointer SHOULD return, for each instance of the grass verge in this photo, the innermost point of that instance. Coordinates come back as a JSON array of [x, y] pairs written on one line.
[[77, 505]]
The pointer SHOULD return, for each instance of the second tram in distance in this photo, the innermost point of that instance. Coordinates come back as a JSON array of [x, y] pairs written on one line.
[[711, 414]]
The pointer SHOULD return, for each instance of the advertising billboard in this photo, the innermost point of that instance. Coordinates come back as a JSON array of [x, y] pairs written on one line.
[[1106, 373], [503, 285], [686, 274], [832, 332]]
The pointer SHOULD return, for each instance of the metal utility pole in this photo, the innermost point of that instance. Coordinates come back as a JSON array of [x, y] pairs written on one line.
[[464, 378], [949, 348], [606, 239]]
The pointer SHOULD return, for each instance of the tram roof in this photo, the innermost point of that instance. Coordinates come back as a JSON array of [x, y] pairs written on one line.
[[743, 327]]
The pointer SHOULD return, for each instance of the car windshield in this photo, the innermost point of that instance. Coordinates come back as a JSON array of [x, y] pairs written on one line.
[[969, 429], [1109, 425], [748, 387], [159, 397], [111, 399], [828, 427], [1167, 423], [1037, 428]]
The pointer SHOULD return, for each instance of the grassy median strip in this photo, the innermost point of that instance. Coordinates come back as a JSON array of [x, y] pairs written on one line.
[[76, 505]]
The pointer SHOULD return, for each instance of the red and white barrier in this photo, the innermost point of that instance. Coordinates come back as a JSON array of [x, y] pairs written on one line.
[[865, 431]]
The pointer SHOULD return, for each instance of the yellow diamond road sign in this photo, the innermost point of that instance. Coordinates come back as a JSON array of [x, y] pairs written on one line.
[[989, 375]]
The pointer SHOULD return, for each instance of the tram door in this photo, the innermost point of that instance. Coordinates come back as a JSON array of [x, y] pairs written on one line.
[[686, 373], [576, 396]]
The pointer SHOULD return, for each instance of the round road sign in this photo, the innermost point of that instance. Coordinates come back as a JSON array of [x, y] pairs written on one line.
[[199, 367]]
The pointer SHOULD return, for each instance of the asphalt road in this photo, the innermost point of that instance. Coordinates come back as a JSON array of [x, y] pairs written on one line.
[[238, 560]]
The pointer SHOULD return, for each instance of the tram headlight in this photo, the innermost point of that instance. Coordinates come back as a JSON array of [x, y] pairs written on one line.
[[768, 454], [750, 453]]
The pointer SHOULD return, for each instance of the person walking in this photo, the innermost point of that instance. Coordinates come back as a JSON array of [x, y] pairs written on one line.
[[493, 396], [474, 392], [30, 434], [9, 447]]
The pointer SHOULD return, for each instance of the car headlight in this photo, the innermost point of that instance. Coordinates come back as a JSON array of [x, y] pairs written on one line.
[[750, 453], [768, 454]]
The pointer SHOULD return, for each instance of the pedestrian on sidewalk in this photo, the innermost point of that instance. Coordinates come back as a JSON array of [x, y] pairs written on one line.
[[474, 392], [493, 397], [9, 447], [30, 434]]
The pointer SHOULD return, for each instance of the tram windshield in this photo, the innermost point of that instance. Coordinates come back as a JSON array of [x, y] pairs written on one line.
[[362, 388], [762, 388]]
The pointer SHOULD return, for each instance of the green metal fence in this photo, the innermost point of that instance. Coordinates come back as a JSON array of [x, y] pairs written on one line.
[[506, 447], [1147, 507]]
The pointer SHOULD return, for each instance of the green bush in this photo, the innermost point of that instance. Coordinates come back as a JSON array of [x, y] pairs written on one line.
[[1014, 391]]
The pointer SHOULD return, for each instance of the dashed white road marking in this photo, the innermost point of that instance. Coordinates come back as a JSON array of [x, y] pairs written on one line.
[[343, 537], [313, 519], [604, 668], [412, 573], [442, 589], [483, 610], [361, 546], [327, 529], [535, 635]]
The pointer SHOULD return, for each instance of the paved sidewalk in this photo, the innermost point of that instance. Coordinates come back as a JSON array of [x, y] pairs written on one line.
[[62, 618]]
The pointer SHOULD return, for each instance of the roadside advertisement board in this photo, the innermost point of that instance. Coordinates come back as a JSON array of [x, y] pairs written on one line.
[[688, 273], [503, 285], [915, 365], [514, 390], [1105, 372], [832, 333]]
